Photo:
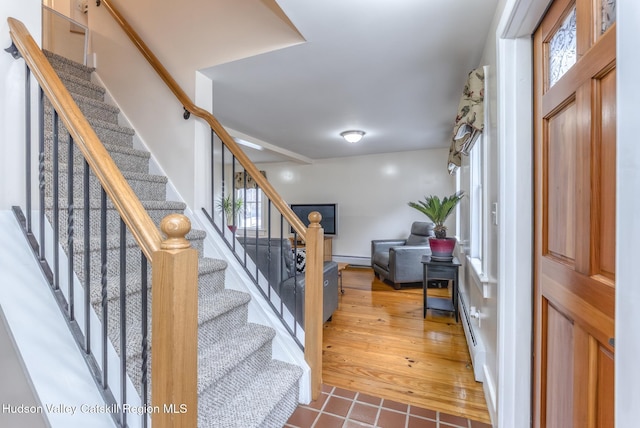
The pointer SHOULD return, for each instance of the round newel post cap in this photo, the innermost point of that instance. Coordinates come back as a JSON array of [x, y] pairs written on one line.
[[175, 227], [314, 219]]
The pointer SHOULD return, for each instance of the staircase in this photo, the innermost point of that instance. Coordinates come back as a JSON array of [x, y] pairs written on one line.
[[239, 384]]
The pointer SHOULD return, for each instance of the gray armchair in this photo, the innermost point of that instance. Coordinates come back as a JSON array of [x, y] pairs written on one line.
[[399, 260]]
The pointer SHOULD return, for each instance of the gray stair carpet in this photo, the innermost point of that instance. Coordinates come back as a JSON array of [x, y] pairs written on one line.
[[239, 384]]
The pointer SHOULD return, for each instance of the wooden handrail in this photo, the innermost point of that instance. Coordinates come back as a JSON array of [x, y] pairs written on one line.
[[222, 133], [115, 185]]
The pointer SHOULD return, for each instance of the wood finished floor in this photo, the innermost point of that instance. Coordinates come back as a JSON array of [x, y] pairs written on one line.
[[378, 343]]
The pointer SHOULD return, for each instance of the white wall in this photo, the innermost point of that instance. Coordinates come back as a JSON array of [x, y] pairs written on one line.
[[478, 285], [184, 42], [371, 192], [12, 101], [144, 99]]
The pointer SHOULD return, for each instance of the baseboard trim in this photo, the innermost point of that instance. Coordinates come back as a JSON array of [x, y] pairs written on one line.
[[353, 260]]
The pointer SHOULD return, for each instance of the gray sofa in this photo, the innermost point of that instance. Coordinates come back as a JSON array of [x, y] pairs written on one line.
[[399, 261], [274, 258]]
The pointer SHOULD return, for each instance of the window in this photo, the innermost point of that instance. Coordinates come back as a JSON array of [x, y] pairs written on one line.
[[476, 199], [251, 216]]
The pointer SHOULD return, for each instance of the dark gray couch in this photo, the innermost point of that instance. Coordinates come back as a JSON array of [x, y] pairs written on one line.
[[276, 262], [399, 261]]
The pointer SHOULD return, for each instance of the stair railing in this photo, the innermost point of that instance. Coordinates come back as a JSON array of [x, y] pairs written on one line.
[[174, 262], [313, 236]]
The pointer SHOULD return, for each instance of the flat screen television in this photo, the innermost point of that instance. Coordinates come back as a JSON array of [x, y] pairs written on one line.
[[328, 212]]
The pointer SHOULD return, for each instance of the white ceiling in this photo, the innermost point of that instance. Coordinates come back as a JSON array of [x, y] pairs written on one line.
[[392, 68]]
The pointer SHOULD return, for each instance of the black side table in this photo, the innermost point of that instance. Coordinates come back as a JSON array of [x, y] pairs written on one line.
[[433, 269]]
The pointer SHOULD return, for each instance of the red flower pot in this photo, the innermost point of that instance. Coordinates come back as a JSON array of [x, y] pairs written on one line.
[[442, 248]]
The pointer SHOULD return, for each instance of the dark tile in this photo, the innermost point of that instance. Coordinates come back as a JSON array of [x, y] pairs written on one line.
[[344, 393], [370, 399], [363, 413], [327, 388], [425, 413], [394, 405], [317, 404], [457, 421], [329, 421], [476, 424], [415, 422], [337, 406], [391, 419], [303, 417]]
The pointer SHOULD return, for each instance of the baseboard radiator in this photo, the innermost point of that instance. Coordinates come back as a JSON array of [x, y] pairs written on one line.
[[474, 342]]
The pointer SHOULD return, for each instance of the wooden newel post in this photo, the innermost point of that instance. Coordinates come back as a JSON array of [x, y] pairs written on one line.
[[174, 360], [313, 301]]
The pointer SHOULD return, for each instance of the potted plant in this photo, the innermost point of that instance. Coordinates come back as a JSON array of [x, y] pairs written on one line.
[[231, 208], [437, 211]]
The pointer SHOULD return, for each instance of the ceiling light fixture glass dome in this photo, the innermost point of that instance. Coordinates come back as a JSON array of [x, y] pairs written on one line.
[[352, 136]]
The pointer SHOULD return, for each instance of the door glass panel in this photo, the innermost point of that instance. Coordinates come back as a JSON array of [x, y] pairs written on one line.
[[562, 48], [608, 14]]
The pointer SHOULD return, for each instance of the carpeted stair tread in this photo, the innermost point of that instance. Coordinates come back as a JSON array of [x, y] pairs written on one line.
[[77, 85], [107, 132], [78, 170], [218, 359], [95, 203], [209, 311], [146, 186], [206, 266], [93, 108], [265, 402], [112, 133], [113, 241], [61, 63], [125, 158]]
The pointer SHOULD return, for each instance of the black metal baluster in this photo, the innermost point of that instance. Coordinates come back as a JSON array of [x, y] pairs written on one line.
[[244, 204], [222, 188], [244, 224], [27, 136], [87, 259], [269, 240], [55, 207], [233, 200], [213, 176], [41, 177], [123, 321], [145, 332], [70, 227], [258, 214], [103, 281], [281, 267]]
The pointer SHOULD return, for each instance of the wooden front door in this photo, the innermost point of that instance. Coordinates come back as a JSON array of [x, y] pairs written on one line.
[[575, 173]]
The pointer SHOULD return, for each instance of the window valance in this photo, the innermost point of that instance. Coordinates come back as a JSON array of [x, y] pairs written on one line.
[[469, 122]]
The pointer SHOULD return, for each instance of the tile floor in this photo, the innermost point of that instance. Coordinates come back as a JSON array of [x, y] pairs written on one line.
[[340, 408]]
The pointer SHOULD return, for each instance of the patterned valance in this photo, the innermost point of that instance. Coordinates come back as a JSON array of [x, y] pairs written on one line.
[[470, 119], [239, 182]]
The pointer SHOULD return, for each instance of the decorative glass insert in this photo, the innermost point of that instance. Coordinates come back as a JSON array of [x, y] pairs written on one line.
[[562, 48], [608, 14]]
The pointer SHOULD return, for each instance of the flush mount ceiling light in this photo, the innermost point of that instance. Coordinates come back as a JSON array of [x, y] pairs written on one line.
[[352, 136]]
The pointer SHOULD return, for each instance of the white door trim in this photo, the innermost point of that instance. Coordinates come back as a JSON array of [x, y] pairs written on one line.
[[515, 240]]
